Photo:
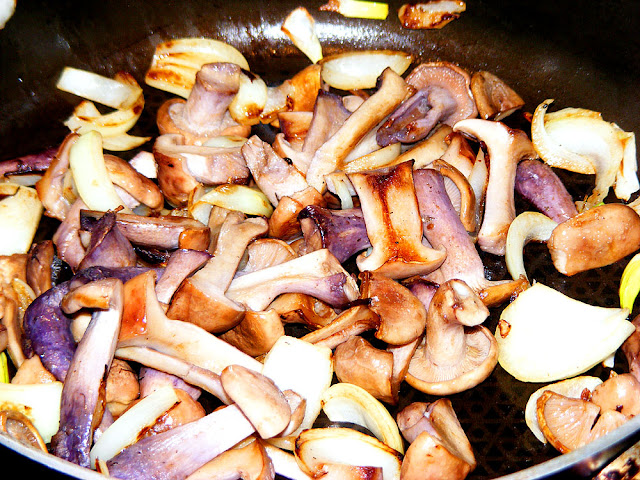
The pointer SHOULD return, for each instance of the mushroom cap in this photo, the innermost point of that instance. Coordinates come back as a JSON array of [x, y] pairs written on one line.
[[480, 359], [494, 98], [620, 393], [597, 237]]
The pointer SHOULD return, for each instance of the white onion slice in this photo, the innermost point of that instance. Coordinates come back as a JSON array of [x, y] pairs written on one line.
[[249, 102], [98, 88], [383, 157], [20, 213], [123, 142], [358, 9], [338, 183], [525, 227], [176, 62], [145, 163], [430, 14], [360, 70], [126, 429], [235, 197], [90, 176], [300, 27]]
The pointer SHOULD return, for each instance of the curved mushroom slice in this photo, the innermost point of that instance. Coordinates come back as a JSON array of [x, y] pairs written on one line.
[[108, 247], [391, 92], [294, 127], [174, 178], [620, 393], [539, 184], [135, 184], [426, 151], [342, 232], [174, 454], [353, 321], [51, 187], [32, 163], [444, 229], [394, 227], [81, 403], [458, 353], [201, 297], [302, 308], [121, 387], [318, 274], [318, 447], [11, 324], [146, 325], [67, 236], [205, 112], [595, 238], [505, 147], [443, 96], [494, 98], [284, 222], [250, 462], [360, 363], [275, 176], [166, 232], [256, 333], [461, 194], [631, 349], [39, 266], [259, 399], [266, 252], [180, 265], [438, 448]]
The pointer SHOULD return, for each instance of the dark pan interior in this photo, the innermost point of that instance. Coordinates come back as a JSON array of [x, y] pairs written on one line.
[[583, 54]]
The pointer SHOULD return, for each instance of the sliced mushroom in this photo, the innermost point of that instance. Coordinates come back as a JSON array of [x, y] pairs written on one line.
[[494, 98], [284, 222], [121, 387], [438, 448], [302, 308], [180, 265], [108, 247], [249, 462], [204, 114], [505, 147], [394, 227], [442, 95], [39, 266], [266, 252], [142, 189], [256, 333], [595, 238], [458, 353], [353, 321]]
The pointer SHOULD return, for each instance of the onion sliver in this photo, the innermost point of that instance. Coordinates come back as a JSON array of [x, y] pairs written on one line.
[[300, 27], [86, 161], [123, 142], [384, 157], [104, 90], [630, 283], [358, 9], [237, 197], [126, 429], [20, 214], [249, 102], [525, 227], [360, 70], [176, 62], [338, 183]]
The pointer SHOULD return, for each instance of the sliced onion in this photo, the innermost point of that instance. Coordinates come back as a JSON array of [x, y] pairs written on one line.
[[345, 402], [225, 141], [123, 142], [236, 197], [630, 283], [248, 104], [525, 227], [126, 429], [338, 183], [90, 176], [20, 213], [360, 70], [98, 88], [581, 141], [176, 62], [572, 388], [358, 9], [145, 163], [383, 157], [300, 27], [7, 9]]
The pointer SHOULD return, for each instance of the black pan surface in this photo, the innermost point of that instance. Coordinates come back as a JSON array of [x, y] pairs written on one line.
[[582, 54]]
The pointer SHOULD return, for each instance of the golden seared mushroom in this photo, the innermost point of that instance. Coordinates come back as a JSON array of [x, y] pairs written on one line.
[[122, 387], [205, 113], [32, 372], [266, 252], [248, 462], [130, 182], [256, 333], [259, 398], [458, 352], [304, 309], [494, 98], [620, 393], [284, 222], [18, 426], [393, 222], [186, 410], [352, 321], [430, 14], [201, 298], [39, 265], [597, 237], [505, 147], [391, 92], [442, 96], [438, 448]]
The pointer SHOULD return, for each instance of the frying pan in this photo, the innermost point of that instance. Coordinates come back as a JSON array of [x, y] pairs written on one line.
[[583, 54]]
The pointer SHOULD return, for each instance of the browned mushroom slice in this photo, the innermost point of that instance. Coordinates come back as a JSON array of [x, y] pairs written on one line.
[[438, 448], [174, 178], [631, 349], [318, 274], [595, 238], [620, 393], [51, 186], [431, 148], [32, 371], [18, 426], [505, 147], [201, 298], [259, 399], [205, 113], [394, 227], [187, 410], [302, 308], [11, 321], [359, 362], [430, 14], [458, 353], [494, 98], [284, 222], [391, 92], [402, 315], [67, 236], [39, 264], [266, 252], [135, 184], [121, 387], [256, 333], [442, 95], [249, 462], [353, 321], [180, 265]]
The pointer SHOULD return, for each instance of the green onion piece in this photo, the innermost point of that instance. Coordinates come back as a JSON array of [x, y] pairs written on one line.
[[4, 368]]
